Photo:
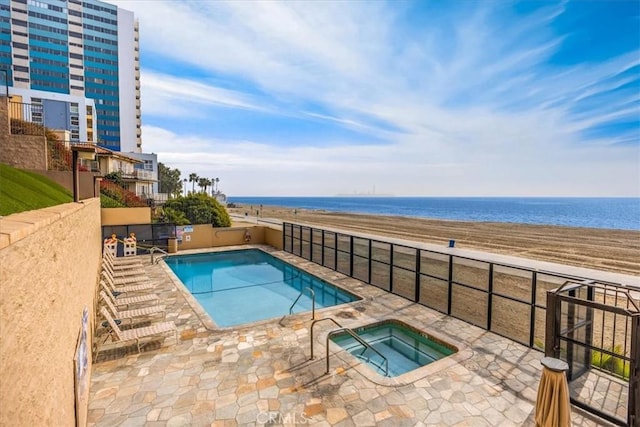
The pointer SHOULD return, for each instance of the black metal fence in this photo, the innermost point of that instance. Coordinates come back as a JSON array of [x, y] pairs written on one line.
[[505, 299], [147, 235], [595, 327], [26, 119]]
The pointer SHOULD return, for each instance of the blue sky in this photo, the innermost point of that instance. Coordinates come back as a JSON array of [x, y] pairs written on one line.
[[455, 98]]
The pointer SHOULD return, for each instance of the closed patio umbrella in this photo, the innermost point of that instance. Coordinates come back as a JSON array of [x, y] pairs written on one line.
[[553, 408]]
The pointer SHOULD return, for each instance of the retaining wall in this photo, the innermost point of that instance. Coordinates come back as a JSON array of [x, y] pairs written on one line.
[[49, 263]]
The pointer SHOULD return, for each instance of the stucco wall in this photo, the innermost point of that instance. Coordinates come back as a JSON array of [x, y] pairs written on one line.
[[49, 262], [89, 185], [20, 151], [206, 236], [125, 216]]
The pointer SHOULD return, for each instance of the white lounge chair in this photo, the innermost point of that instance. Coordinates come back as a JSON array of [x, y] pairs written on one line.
[[124, 280], [139, 287], [120, 261], [137, 334], [122, 301], [130, 315], [117, 266], [138, 271]]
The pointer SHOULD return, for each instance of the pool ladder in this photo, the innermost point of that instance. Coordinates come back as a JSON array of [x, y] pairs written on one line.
[[313, 302], [154, 249], [356, 337]]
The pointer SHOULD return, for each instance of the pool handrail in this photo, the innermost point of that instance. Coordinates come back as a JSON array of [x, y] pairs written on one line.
[[313, 302], [155, 248], [353, 335]]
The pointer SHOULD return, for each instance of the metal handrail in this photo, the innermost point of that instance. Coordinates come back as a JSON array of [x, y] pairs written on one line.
[[320, 320], [353, 334], [155, 248], [313, 302]]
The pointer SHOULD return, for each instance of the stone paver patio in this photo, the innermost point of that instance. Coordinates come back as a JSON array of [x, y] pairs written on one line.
[[262, 374]]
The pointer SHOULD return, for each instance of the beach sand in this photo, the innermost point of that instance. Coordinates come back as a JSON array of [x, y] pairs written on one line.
[[609, 250]]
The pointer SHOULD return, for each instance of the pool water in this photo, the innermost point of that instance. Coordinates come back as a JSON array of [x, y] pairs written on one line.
[[404, 347], [237, 287]]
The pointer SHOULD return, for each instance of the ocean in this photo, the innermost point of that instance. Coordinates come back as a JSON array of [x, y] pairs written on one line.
[[608, 213]]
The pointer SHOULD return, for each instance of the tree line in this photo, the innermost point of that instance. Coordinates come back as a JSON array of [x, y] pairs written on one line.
[[190, 207], [170, 181]]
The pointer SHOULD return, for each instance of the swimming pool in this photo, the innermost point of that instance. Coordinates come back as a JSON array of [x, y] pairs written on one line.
[[399, 348], [243, 286]]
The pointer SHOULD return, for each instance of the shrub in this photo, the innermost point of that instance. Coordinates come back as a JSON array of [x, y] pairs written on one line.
[[200, 209], [607, 362], [173, 216], [120, 195], [108, 202]]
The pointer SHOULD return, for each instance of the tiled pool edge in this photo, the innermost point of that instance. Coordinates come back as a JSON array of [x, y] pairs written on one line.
[[207, 320]]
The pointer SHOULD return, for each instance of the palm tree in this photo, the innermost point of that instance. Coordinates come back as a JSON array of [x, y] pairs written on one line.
[[202, 183], [217, 181], [193, 177]]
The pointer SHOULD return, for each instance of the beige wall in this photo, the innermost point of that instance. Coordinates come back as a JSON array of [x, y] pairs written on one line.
[[20, 151], [206, 236], [126, 216], [89, 186], [49, 261], [273, 237]]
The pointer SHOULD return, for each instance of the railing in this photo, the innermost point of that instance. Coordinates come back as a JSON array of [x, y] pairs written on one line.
[[595, 328], [509, 300], [157, 249], [26, 119], [313, 302], [353, 335], [137, 174]]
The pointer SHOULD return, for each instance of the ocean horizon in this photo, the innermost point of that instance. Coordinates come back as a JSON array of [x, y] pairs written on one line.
[[619, 213]]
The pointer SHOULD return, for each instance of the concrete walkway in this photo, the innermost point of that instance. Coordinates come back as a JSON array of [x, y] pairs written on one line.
[[262, 374]]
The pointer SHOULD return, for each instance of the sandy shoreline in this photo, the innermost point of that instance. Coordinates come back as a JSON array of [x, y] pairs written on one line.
[[609, 250]]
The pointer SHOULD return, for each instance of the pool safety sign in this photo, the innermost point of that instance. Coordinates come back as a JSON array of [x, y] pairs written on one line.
[[181, 233]]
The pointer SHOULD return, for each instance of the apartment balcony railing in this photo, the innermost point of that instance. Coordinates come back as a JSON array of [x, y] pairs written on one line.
[[26, 119], [137, 174]]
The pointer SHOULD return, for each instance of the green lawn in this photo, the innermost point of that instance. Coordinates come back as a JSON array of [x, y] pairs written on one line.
[[24, 191]]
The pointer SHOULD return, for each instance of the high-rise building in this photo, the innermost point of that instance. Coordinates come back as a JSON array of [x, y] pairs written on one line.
[[79, 61]]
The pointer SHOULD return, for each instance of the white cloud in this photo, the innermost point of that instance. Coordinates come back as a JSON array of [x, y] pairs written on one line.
[[471, 104]]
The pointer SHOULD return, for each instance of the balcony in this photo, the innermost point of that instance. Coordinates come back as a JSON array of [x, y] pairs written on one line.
[[26, 119], [138, 174]]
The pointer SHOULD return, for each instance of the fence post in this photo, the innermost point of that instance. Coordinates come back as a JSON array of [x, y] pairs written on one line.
[[416, 297], [350, 256], [633, 406], [391, 268], [370, 261], [450, 293], [532, 306], [552, 325], [490, 297]]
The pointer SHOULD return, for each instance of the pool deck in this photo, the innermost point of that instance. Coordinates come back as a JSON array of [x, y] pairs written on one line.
[[262, 374]]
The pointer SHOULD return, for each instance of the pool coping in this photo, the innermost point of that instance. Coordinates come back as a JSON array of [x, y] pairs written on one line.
[[207, 320], [462, 354]]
